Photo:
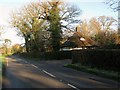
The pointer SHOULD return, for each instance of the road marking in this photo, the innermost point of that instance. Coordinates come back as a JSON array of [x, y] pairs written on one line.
[[48, 73], [34, 66], [73, 86]]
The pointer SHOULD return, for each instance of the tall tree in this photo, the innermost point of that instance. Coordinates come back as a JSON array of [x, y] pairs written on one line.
[[6, 44], [100, 29], [57, 13], [28, 25], [114, 4], [55, 25], [48, 16]]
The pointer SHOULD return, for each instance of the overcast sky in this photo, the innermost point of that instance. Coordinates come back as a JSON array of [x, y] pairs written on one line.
[[90, 8]]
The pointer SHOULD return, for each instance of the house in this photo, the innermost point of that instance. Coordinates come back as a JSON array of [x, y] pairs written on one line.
[[79, 40]]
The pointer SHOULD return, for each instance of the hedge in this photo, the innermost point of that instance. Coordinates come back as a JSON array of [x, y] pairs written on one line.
[[58, 55], [107, 59]]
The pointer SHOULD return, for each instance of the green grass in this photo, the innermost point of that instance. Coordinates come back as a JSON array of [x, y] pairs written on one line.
[[2, 61], [99, 72]]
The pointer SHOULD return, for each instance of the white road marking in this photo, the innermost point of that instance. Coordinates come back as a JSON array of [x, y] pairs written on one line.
[[73, 86], [48, 73], [34, 66]]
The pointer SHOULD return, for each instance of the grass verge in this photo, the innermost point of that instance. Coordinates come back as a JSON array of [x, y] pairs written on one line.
[[2, 60], [99, 72], [2, 65]]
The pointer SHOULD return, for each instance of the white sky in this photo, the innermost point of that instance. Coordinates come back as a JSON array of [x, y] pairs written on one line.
[[90, 8]]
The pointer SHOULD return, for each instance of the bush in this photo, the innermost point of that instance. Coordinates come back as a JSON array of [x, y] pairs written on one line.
[[107, 59], [100, 72], [58, 55], [111, 46]]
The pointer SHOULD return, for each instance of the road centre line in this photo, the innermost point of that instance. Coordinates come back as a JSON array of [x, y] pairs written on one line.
[[73, 86], [48, 73], [34, 66]]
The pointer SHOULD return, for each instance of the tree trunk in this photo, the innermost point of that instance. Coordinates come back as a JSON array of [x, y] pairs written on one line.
[[27, 44]]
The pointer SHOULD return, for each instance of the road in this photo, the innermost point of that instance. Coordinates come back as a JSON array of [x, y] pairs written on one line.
[[24, 73]]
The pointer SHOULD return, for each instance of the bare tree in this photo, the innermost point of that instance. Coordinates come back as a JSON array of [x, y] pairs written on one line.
[[49, 16], [114, 4], [99, 29], [28, 24]]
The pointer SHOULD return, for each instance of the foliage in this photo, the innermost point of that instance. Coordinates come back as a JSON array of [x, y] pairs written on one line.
[[17, 48], [29, 26], [100, 30], [55, 25], [106, 38], [6, 46], [101, 58], [96, 71], [46, 16], [56, 55]]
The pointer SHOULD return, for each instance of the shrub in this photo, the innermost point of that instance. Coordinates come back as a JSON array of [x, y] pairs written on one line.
[[111, 46], [107, 59], [58, 55]]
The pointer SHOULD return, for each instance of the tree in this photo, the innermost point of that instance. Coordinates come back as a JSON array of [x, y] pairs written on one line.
[[114, 4], [55, 25], [57, 14], [17, 48], [28, 25], [1, 30], [107, 35], [43, 16], [6, 45], [99, 29]]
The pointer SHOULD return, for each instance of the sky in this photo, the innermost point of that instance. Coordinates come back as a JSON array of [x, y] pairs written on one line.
[[90, 8]]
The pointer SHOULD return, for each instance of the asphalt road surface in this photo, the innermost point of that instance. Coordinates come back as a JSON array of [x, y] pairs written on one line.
[[24, 73]]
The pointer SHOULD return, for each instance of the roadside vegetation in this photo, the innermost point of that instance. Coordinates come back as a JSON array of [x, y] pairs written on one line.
[[2, 58], [2, 65], [50, 27], [96, 71]]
